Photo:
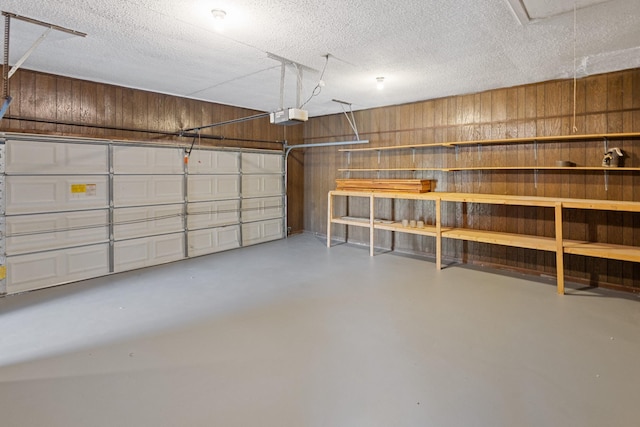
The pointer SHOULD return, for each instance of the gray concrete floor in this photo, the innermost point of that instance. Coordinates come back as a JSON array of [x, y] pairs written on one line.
[[291, 333]]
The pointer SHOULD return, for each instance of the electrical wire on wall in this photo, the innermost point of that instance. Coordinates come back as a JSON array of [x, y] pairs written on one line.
[[575, 71]]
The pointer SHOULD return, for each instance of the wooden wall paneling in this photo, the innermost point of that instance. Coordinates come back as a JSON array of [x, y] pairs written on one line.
[[45, 102], [428, 117], [140, 119], [595, 186], [511, 131], [615, 220], [154, 112], [27, 101], [118, 112], [520, 159], [295, 189], [128, 112], [169, 114], [635, 188], [64, 102], [101, 110], [88, 104], [494, 113]]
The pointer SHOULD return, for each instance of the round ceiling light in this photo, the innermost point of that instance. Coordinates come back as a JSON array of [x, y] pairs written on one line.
[[218, 19]]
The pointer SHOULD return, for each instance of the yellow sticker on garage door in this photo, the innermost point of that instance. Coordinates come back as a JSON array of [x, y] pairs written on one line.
[[78, 188], [3, 271]]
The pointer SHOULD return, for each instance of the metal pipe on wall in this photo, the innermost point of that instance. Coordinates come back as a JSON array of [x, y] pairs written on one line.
[[288, 149]]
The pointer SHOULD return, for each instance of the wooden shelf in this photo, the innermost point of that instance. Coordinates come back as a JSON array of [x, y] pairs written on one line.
[[350, 220], [603, 250], [505, 239], [428, 230], [525, 140], [556, 244]]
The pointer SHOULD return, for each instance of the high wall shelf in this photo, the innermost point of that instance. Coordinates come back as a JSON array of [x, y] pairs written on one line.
[[604, 137], [525, 140], [557, 244]]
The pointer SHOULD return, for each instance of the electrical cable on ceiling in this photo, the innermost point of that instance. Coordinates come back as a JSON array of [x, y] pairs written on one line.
[[575, 72], [316, 90]]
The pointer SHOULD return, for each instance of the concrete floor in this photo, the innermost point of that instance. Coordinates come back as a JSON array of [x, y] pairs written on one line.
[[291, 333]]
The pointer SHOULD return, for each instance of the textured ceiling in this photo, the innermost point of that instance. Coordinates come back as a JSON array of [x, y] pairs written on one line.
[[424, 48]]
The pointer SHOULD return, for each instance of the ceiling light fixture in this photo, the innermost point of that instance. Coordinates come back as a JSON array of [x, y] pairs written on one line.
[[218, 19], [380, 83]]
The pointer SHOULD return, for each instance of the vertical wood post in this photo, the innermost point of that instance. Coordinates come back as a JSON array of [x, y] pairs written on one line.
[[372, 202], [438, 236], [559, 249]]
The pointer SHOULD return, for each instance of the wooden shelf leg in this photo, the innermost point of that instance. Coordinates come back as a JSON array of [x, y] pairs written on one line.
[[329, 216], [559, 250], [438, 237], [372, 203]]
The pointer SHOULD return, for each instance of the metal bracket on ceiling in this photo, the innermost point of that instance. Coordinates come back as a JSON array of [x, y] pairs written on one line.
[[351, 120], [7, 30], [299, 68]]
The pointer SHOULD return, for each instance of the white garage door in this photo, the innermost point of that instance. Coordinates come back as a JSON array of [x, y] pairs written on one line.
[[57, 213], [148, 200], [82, 208], [262, 197], [213, 211]]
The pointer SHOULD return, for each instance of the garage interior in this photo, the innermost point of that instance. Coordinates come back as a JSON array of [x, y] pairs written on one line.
[[175, 250]]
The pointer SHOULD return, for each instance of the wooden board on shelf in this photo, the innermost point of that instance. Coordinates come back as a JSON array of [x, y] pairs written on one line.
[[394, 185]]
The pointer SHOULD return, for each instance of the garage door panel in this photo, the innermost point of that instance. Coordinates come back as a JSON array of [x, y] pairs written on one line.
[[260, 209], [213, 187], [147, 221], [212, 214], [214, 162], [49, 158], [34, 271], [148, 251], [262, 163], [39, 194], [262, 231], [147, 160], [208, 241], [31, 233], [261, 185], [134, 190]]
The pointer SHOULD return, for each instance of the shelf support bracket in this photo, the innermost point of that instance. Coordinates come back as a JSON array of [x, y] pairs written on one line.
[[535, 179], [457, 152], [379, 153], [348, 158], [479, 152], [606, 180], [605, 142], [413, 156], [535, 151]]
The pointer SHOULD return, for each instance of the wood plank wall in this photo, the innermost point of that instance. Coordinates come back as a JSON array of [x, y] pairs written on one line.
[[604, 103], [56, 105]]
